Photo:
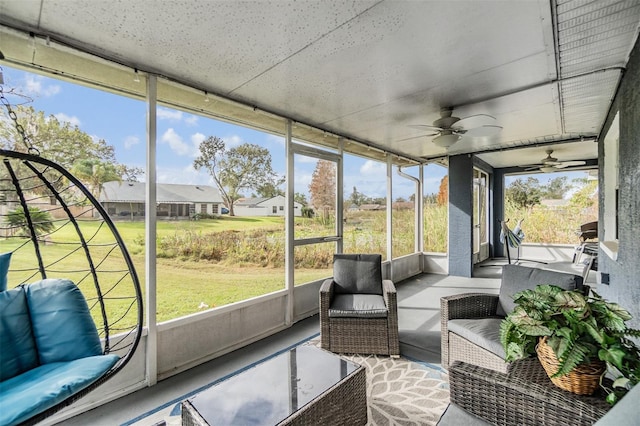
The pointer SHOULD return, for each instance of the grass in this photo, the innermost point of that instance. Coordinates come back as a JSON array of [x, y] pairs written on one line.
[[213, 262]]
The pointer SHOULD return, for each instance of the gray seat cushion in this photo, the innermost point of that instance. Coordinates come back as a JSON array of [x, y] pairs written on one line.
[[516, 278], [484, 332], [358, 306], [357, 273]]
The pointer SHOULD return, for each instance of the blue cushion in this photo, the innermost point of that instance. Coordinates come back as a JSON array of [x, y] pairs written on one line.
[[358, 306], [5, 258], [37, 390], [357, 273], [17, 346], [61, 322]]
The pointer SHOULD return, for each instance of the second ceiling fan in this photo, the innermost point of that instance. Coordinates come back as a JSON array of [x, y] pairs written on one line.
[[552, 164], [448, 129]]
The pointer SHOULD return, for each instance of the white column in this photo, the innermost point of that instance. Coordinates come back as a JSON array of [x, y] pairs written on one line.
[[389, 214], [150, 234], [289, 227]]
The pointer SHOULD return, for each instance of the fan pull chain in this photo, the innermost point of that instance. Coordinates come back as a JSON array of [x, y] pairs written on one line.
[[25, 138]]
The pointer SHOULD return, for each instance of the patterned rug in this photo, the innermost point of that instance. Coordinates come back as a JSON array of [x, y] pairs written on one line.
[[399, 392]]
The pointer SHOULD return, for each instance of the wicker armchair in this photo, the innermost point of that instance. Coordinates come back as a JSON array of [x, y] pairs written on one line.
[[470, 323], [358, 309]]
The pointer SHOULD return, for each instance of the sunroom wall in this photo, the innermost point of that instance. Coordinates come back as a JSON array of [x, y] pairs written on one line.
[[624, 271]]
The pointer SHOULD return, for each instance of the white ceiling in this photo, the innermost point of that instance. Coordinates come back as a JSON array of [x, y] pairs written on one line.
[[363, 70]]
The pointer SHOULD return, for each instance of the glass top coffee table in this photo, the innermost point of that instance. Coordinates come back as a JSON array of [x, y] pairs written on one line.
[[304, 386]]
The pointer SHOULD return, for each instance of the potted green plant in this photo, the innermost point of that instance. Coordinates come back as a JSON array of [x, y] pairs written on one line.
[[581, 331]]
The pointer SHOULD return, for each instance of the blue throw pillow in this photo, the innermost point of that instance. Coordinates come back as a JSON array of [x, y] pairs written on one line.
[[17, 347], [61, 322], [5, 258]]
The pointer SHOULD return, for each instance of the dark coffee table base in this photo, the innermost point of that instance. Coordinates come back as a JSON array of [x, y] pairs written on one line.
[[344, 403]]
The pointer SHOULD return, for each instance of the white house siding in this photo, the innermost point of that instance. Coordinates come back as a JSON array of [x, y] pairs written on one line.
[[275, 206]]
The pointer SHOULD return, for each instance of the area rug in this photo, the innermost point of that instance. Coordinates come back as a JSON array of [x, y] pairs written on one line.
[[400, 391]]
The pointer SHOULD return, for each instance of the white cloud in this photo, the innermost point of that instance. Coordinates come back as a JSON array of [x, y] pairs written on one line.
[[175, 142], [279, 140], [186, 175], [131, 141], [35, 85], [191, 120], [168, 114], [196, 139], [64, 118], [232, 141], [373, 168]]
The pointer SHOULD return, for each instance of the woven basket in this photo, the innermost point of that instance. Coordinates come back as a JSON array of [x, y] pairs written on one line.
[[582, 380]]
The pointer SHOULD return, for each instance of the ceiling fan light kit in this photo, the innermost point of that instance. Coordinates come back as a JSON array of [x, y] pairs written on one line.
[[548, 169], [445, 141]]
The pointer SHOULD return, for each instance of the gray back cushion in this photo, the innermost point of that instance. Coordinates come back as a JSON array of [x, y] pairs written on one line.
[[357, 273], [516, 278]]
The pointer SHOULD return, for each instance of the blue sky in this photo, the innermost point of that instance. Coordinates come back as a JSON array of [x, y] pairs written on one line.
[[121, 122]]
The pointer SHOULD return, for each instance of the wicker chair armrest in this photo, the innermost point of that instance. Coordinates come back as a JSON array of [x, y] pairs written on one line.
[[468, 305], [390, 295], [523, 396], [326, 294]]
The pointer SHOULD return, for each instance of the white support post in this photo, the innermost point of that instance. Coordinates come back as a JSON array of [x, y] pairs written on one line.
[[289, 226], [420, 213], [340, 198], [150, 234], [390, 214]]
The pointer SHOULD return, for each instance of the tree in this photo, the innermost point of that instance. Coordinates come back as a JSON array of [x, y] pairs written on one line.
[[41, 220], [357, 198], [271, 189], [556, 188], [524, 194], [300, 198], [95, 173], [323, 186], [58, 141], [586, 196], [443, 191], [242, 167]]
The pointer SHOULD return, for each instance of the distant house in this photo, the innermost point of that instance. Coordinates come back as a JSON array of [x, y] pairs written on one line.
[[274, 206], [127, 199], [403, 205], [372, 207], [553, 204]]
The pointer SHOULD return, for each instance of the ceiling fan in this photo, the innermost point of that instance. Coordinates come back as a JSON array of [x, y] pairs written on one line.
[[449, 129], [551, 164]]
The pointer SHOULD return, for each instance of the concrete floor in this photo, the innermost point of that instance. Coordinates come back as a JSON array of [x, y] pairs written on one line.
[[419, 330]]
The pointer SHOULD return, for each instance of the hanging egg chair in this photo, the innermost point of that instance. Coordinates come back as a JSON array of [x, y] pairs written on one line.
[[70, 298]]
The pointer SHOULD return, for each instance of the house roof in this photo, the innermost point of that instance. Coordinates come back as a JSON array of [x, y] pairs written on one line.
[[255, 201], [165, 193], [250, 201]]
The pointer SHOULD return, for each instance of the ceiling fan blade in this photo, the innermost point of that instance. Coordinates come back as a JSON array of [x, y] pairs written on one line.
[[473, 121], [564, 164], [484, 131], [431, 130]]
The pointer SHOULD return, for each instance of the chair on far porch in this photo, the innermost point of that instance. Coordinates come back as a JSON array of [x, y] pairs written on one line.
[[358, 309]]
